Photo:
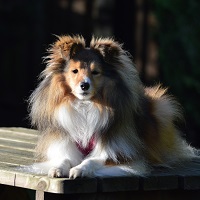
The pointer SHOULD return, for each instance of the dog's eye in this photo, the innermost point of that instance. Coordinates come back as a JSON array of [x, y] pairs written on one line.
[[95, 72], [75, 71]]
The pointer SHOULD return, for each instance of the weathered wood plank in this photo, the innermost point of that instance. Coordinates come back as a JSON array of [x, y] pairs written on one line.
[[10, 176], [15, 160], [16, 152], [118, 184], [14, 138], [27, 146], [81, 185], [9, 167], [159, 182], [7, 178], [19, 151], [18, 136], [20, 130], [14, 156], [189, 182]]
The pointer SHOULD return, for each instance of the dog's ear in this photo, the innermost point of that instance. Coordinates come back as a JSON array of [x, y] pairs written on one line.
[[76, 47], [66, 47], [108, 48]]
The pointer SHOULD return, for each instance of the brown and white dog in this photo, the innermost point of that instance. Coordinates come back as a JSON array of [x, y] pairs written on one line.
[[97, 119]]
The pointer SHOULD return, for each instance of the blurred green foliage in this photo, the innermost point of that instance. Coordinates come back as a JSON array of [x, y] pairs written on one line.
[[179, 54]]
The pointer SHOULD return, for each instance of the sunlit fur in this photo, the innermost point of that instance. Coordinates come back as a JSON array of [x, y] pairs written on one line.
[[132, 126]]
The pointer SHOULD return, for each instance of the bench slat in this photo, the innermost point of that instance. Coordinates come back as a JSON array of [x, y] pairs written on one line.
[[17, 151], [5, 158], [16, 144], [19, 130]]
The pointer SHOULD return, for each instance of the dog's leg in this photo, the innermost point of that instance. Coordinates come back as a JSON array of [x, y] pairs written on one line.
[[137, 167], [95, 167], [61, 156], [87, 168], [59, 170]]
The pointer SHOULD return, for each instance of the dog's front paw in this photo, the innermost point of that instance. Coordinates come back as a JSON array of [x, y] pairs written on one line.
[[55, 173], [86, 169], [75, 172], [81, 171], [59, 171]]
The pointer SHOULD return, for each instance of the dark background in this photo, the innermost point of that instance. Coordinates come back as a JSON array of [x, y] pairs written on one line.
[[163, 37]]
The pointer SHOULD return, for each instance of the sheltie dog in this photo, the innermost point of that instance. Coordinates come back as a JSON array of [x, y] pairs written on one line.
[[97, 119]]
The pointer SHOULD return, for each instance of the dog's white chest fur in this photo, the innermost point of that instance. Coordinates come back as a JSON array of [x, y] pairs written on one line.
[[81, 119]]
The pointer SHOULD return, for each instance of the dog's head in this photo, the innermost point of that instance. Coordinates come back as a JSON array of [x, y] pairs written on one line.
[[84, 73], [85, 70]]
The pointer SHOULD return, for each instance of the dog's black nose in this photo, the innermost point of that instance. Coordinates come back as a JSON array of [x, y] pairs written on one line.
[[85, 86]]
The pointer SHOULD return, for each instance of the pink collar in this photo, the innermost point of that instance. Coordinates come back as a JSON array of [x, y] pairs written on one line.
[[86, 150]]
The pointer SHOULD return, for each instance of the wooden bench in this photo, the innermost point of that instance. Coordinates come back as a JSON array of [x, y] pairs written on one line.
[[17, 148]]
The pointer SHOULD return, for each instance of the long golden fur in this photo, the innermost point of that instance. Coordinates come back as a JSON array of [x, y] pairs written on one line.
[[95, 95]]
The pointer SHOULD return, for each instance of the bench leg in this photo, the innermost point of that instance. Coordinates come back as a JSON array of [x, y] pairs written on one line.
[[39, 195]]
